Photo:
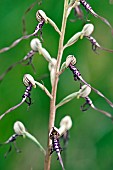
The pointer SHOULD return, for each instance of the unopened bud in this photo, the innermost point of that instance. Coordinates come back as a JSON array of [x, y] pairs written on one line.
[[28, 79], [40, 15], [35, 44], [85, 91], [70, 60], [19, 128], [87, 30], [65, 124]]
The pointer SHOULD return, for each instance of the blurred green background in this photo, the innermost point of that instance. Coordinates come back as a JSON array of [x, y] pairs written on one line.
[[91, 137]]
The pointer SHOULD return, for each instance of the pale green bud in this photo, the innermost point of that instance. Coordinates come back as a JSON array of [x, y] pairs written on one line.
[[85, 91], [40, 15], [65, 124], [28, 79], [70, 60], [87, 30], [35, 44], [19, 128]]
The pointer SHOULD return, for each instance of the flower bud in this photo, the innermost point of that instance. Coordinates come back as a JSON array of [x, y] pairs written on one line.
[[85, 91], [65, 124], [35, 44], [70, 60], [87, 30], [19, 128], [28, 79], [40, 15]]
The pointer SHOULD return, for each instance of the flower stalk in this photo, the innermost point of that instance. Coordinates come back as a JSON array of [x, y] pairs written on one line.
[[55, 83]]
